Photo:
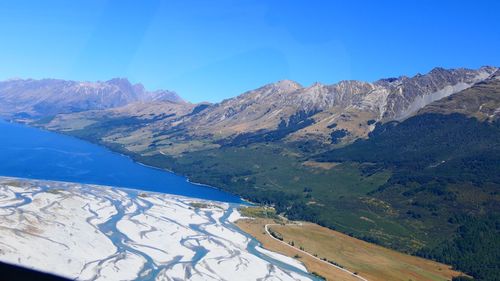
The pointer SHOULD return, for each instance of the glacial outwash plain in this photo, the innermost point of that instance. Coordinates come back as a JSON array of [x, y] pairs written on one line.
[[90, 232]]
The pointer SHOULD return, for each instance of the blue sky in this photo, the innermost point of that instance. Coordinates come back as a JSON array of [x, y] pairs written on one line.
[[211, 50]]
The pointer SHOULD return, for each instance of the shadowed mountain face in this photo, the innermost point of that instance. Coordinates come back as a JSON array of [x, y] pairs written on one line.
[[47, 97]]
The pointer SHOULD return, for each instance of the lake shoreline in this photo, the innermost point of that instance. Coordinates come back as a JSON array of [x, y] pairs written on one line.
[[102, 149], [132, 156]]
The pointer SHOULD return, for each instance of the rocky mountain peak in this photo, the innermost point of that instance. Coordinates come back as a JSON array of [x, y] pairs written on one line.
[[315, 88], [163, 95], [287, 85], [282, 87], [122, 83], [316, 85], [413, 93], [489, 68], [435, 70]]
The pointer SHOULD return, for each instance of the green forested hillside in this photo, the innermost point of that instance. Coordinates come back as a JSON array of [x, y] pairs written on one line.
[[473, 249], [446, 174]]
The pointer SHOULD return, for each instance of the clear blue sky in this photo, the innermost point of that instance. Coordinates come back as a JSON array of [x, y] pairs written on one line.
[[211, 50]]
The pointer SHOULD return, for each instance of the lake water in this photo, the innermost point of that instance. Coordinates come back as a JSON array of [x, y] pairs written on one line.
[[33, 153]]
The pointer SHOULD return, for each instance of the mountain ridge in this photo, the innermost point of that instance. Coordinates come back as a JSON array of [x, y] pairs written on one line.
[[325, 114]]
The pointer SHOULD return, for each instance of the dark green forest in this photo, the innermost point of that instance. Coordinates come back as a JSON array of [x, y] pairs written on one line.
[[442, 166]]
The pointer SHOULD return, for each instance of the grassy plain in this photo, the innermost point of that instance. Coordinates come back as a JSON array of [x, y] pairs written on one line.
[[366, 259], [371, 261]]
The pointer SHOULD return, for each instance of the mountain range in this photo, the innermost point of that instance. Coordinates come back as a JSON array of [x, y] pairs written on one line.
[[326, 114], [33, 98], [408, 162]]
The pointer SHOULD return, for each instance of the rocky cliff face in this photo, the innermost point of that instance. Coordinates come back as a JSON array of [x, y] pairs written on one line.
[[408, 95], [481, 101]]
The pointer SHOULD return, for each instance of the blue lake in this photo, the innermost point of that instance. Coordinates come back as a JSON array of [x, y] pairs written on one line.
[[33, 153]]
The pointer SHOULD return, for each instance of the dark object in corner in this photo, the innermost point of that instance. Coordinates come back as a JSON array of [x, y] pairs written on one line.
[[9, 272]]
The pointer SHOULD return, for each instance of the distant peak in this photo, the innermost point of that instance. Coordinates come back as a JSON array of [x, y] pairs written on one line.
[[437, 69], [485, 68], [163, 95], [287, 84], [119, 81], [488, 67], [124, 85], [315, 85], [139, 87]]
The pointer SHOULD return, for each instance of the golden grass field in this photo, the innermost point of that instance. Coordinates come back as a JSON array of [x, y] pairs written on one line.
[[370, 261], [255, 227]]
